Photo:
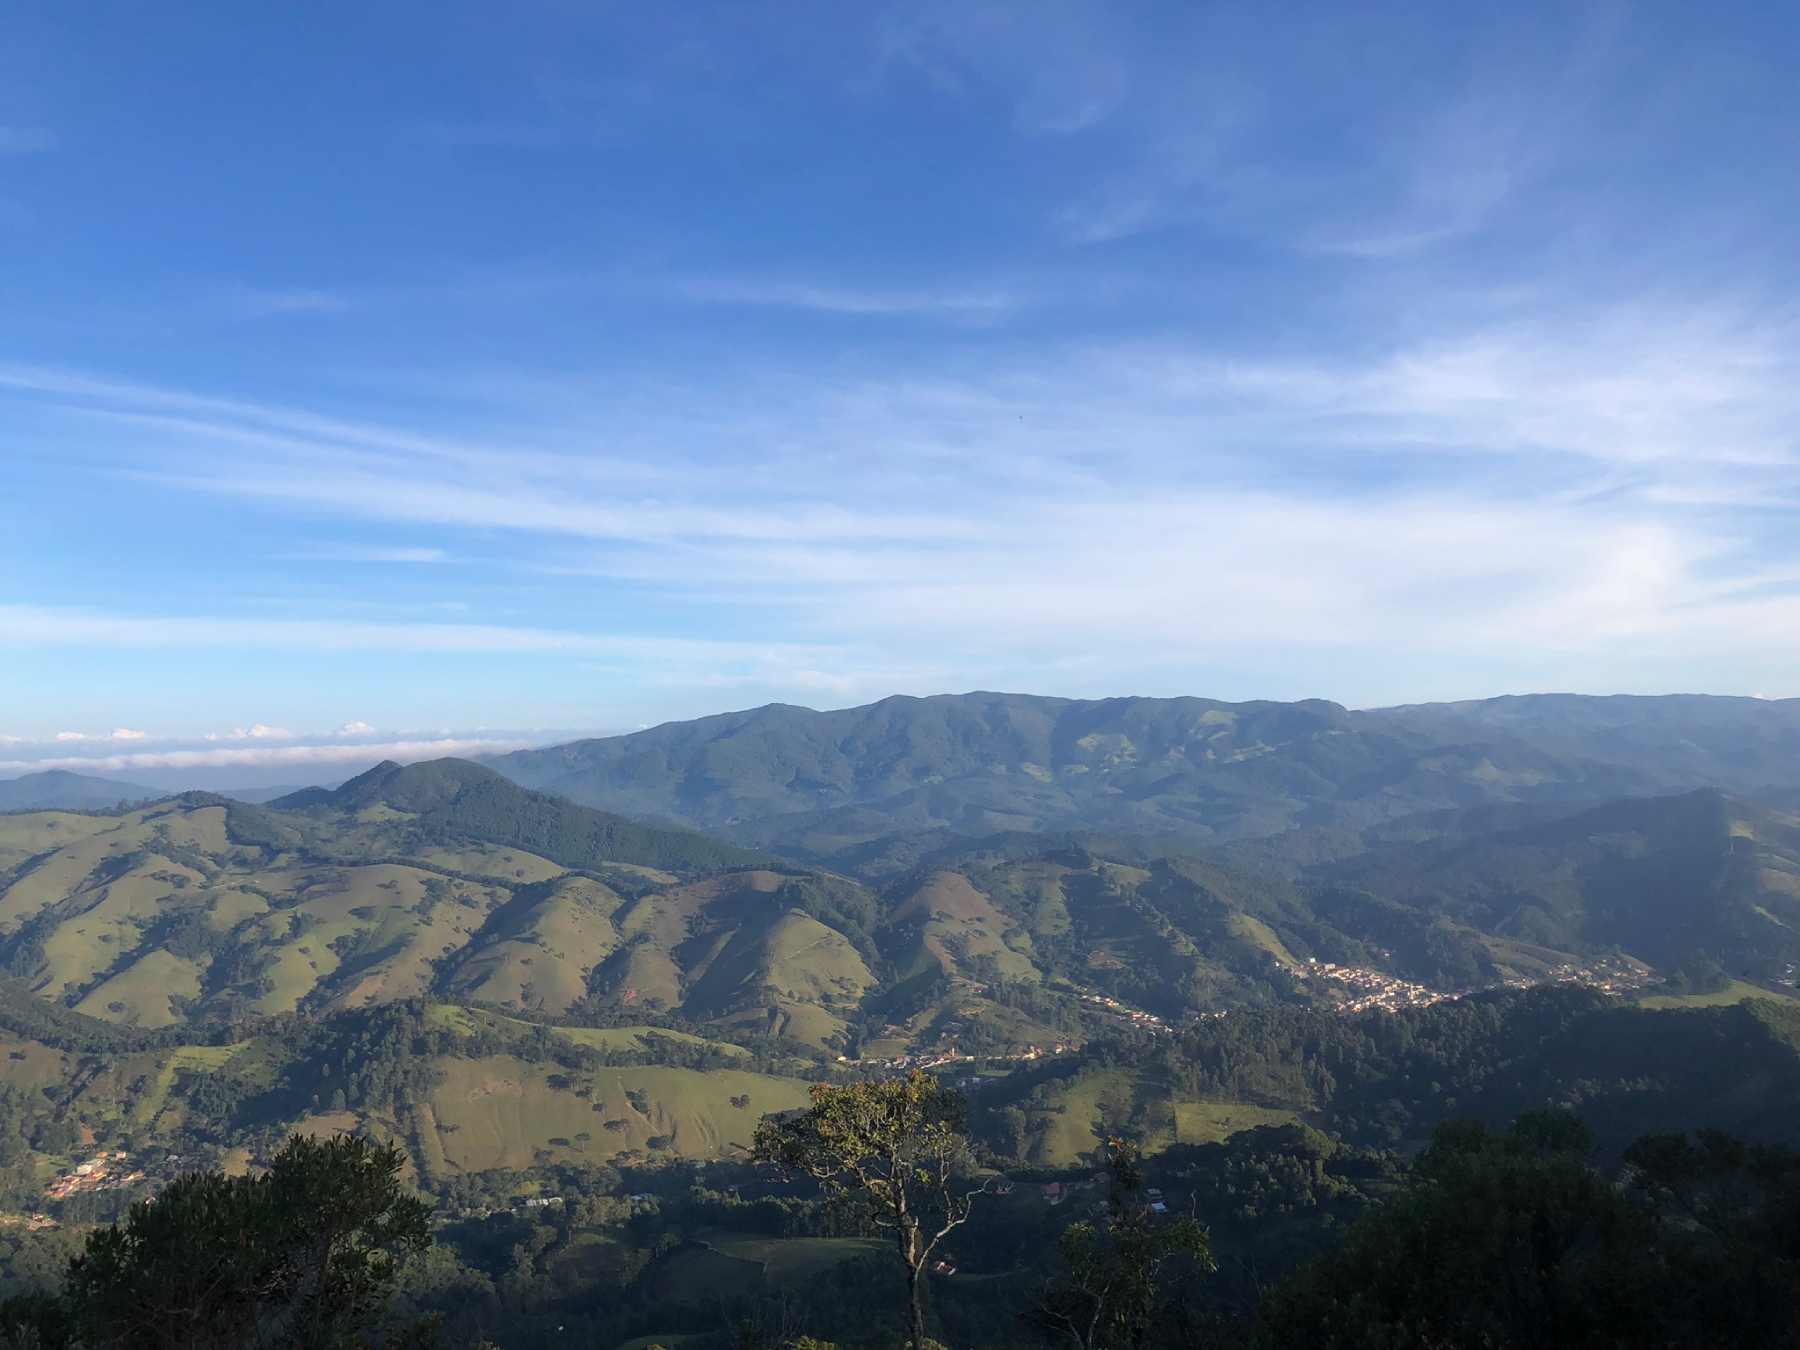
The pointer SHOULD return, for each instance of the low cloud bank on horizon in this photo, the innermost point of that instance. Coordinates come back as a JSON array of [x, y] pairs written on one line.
[[165, 760]]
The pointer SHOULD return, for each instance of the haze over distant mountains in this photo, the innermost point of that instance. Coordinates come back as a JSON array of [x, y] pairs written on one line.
[[1186, 771], [58, 789], [1176, 773], [62, 790]]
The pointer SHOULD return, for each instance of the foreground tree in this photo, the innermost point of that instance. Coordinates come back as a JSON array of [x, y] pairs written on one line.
[[898, 1147], [1509, 1241], [1108, 1294], [302, 1256]]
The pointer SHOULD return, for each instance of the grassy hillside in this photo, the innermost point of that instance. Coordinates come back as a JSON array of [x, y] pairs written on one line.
[[412, 883], [497, 1111], [405, 884], [1734, 992], [462, 1090]]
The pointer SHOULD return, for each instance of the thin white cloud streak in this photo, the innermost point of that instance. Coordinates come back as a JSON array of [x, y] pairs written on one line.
[[27, 140], [1642, 384], [1140, 495], [46, 626], [415, 482], [382, 496], [254, 303], [278, 426], [1204, 133], [368, 555], [1230, 568], [267, 756], [960, 304], [1684, 392], [1062, 65], [486, 136]]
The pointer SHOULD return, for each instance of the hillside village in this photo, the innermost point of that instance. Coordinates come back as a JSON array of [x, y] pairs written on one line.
[[1343, 989]]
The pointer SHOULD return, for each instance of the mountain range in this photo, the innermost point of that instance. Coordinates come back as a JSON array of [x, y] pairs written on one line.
[[446, 880], [1181, 772], [60, 790], [1149, 915]]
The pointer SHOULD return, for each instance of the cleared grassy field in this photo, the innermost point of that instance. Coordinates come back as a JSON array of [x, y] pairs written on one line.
[[958, 924], [451, 1017], [542, 957], [1092, 1105], [500, 1111], [110, 924], [201, 1058], [1255, 931], [1139, 1106], [490, 860], [744, 1264], [139, 995], [23, 837], [388, 931], [643, 1038], [1215, 1122], [790, 1260], [1735, 992], [706, 1268]]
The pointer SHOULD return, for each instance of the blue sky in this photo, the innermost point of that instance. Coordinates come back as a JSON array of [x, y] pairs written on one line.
[[430, 369]]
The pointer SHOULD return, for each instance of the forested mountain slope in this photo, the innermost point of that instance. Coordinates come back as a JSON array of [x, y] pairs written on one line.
[[1186, 771], [454, 798], [1662, 878], [1388, 1079]]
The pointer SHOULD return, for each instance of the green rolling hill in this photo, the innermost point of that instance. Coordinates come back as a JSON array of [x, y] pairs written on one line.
[[444, 880]]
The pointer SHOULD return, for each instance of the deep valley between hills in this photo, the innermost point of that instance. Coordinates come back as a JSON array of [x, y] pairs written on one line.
[[1239, 935]]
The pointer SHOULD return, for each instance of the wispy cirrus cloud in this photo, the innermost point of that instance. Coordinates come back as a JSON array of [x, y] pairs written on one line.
[[1095, 489], [1043, 341], [978, 304], [1064, 68], [16, 140], [263, 303], [263, 757], [349, 553], [489, 136], [56, 626], [1204, 133]]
